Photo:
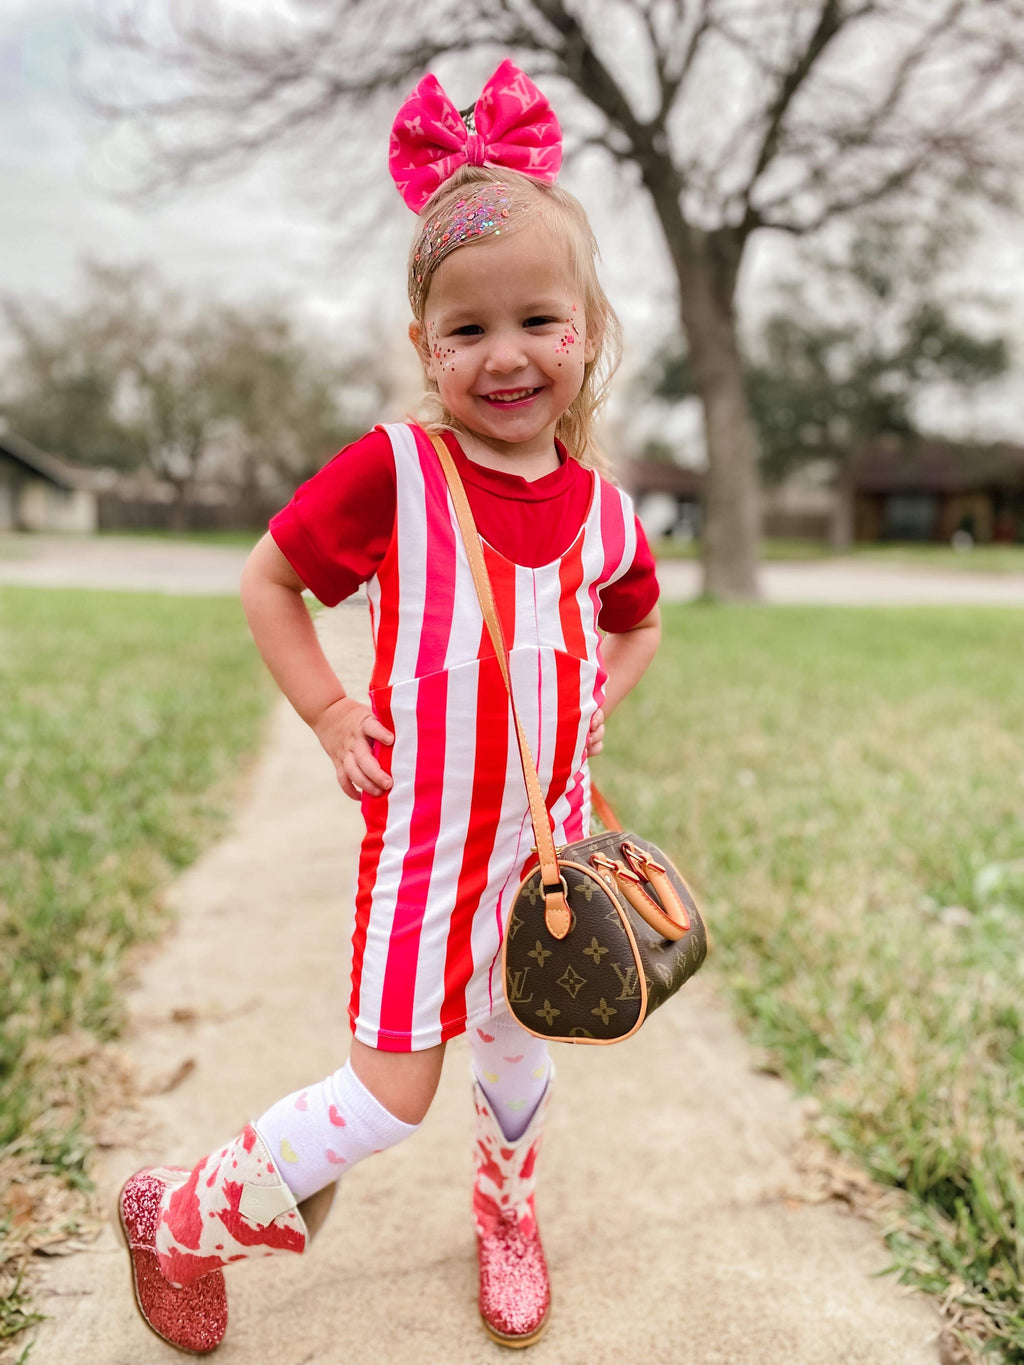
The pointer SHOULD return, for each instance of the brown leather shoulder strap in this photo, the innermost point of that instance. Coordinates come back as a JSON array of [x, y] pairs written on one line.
[[557, 914]]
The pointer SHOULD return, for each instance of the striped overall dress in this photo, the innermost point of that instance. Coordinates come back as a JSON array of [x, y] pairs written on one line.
[[447, 845]]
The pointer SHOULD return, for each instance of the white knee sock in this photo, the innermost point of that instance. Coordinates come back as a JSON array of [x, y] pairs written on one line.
[[512, 1067], [319, 1133]]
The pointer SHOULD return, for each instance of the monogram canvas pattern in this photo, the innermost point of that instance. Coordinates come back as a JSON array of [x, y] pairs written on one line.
[[612, 969]]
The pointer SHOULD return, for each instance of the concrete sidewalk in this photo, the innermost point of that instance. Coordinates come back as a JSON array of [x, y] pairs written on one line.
[[668, 1192]]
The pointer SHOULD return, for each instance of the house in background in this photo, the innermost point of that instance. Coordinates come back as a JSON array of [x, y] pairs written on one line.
[[668, 497], [932, 490], [669, 500], [924, 491], [39, 492]]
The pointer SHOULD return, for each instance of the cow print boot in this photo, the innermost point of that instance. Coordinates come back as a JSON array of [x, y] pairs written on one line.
[[514, 1291], [182, 1227]]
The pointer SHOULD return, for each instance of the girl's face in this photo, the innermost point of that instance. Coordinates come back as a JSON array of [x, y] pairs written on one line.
[[507, 339]]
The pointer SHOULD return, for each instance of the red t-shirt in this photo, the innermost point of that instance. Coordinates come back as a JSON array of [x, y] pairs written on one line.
[[336, 530]]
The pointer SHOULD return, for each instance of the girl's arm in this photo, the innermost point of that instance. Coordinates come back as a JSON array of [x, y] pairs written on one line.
[[626, 656], [283, 630]]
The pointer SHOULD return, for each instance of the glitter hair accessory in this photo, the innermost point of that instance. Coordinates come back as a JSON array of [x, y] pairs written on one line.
[[513, 128], [483, 211]]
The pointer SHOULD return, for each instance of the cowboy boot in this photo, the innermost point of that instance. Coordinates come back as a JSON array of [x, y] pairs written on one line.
[[514, 1292], [182, 1227]]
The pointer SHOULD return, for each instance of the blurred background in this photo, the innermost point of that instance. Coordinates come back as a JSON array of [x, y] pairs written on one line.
[[809, 218]]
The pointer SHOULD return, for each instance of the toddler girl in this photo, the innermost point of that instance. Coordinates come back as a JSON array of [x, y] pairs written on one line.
[[517, 340]]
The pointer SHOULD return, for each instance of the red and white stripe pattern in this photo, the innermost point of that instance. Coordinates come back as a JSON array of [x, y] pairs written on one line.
[[446, 847]]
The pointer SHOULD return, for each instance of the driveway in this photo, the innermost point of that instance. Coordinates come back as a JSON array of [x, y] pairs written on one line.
[[187, 567]]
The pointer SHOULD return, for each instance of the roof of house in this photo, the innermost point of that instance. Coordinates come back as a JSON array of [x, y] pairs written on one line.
[[660, 476], [936, 467], [57, 471]]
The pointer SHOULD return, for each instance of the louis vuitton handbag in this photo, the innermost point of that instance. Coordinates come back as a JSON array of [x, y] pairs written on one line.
[[603, 930]]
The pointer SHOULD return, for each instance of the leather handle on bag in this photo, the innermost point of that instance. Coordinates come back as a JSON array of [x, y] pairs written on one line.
[[557, 914], [669, 918]]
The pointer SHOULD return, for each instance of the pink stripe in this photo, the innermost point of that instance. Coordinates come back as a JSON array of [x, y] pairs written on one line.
[[492, 756], [574, 819], [387, 627], [399, 992], [567, 683], [570, 578], [613, 541], [375, 813], [439, 604]]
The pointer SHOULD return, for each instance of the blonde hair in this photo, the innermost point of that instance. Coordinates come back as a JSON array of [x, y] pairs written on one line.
[[525, 200]]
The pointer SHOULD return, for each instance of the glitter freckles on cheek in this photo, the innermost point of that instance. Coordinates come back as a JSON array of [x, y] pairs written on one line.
[[567, 339], [438, 352]]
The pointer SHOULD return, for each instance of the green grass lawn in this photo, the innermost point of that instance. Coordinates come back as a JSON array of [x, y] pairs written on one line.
[[244, 539], [123, 719], [846, 788], [978, 559], [1000, 559]]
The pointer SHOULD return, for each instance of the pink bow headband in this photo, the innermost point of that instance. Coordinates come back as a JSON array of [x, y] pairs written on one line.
[[515, 129]]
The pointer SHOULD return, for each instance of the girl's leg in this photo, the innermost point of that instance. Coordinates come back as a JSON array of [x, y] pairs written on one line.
[[512, 1069], [371, 1103], [513, 1085], [404, 1082], [253, 1196]]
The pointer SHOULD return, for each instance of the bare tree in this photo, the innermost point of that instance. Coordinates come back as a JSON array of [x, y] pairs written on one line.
[[735, 116], [132, 374]]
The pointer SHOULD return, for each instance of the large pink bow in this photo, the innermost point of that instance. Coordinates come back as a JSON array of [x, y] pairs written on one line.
[[516, 130]]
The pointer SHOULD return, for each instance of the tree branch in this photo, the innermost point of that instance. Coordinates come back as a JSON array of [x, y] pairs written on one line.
[[830, 21]]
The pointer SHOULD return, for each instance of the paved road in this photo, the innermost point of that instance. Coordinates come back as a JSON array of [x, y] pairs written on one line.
[[191, 568], [133, 562], [847, 582]]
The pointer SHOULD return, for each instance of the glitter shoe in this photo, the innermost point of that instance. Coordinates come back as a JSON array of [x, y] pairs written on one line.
[[193, 1319], [514, 1292], [182, 1227]]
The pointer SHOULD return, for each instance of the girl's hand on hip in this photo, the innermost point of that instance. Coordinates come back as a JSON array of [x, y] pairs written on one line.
[[595, 739], [346, 729]]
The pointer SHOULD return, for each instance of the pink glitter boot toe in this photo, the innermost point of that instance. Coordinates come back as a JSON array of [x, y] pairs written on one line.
[[183, 1227], [193, 1319], [514, 1291]]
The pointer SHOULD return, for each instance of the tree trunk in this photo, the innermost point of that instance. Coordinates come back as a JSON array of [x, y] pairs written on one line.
[[841, 529], [707, 266], [732, 500], [178, 519]]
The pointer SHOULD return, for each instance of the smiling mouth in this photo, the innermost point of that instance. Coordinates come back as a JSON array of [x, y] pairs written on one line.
[[505, 397]]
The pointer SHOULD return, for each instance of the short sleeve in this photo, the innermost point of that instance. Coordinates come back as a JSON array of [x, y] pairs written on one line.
[[337, 528], [626, 602]]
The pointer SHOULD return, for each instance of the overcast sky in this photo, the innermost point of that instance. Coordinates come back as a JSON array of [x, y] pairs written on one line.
[[250, 236]]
